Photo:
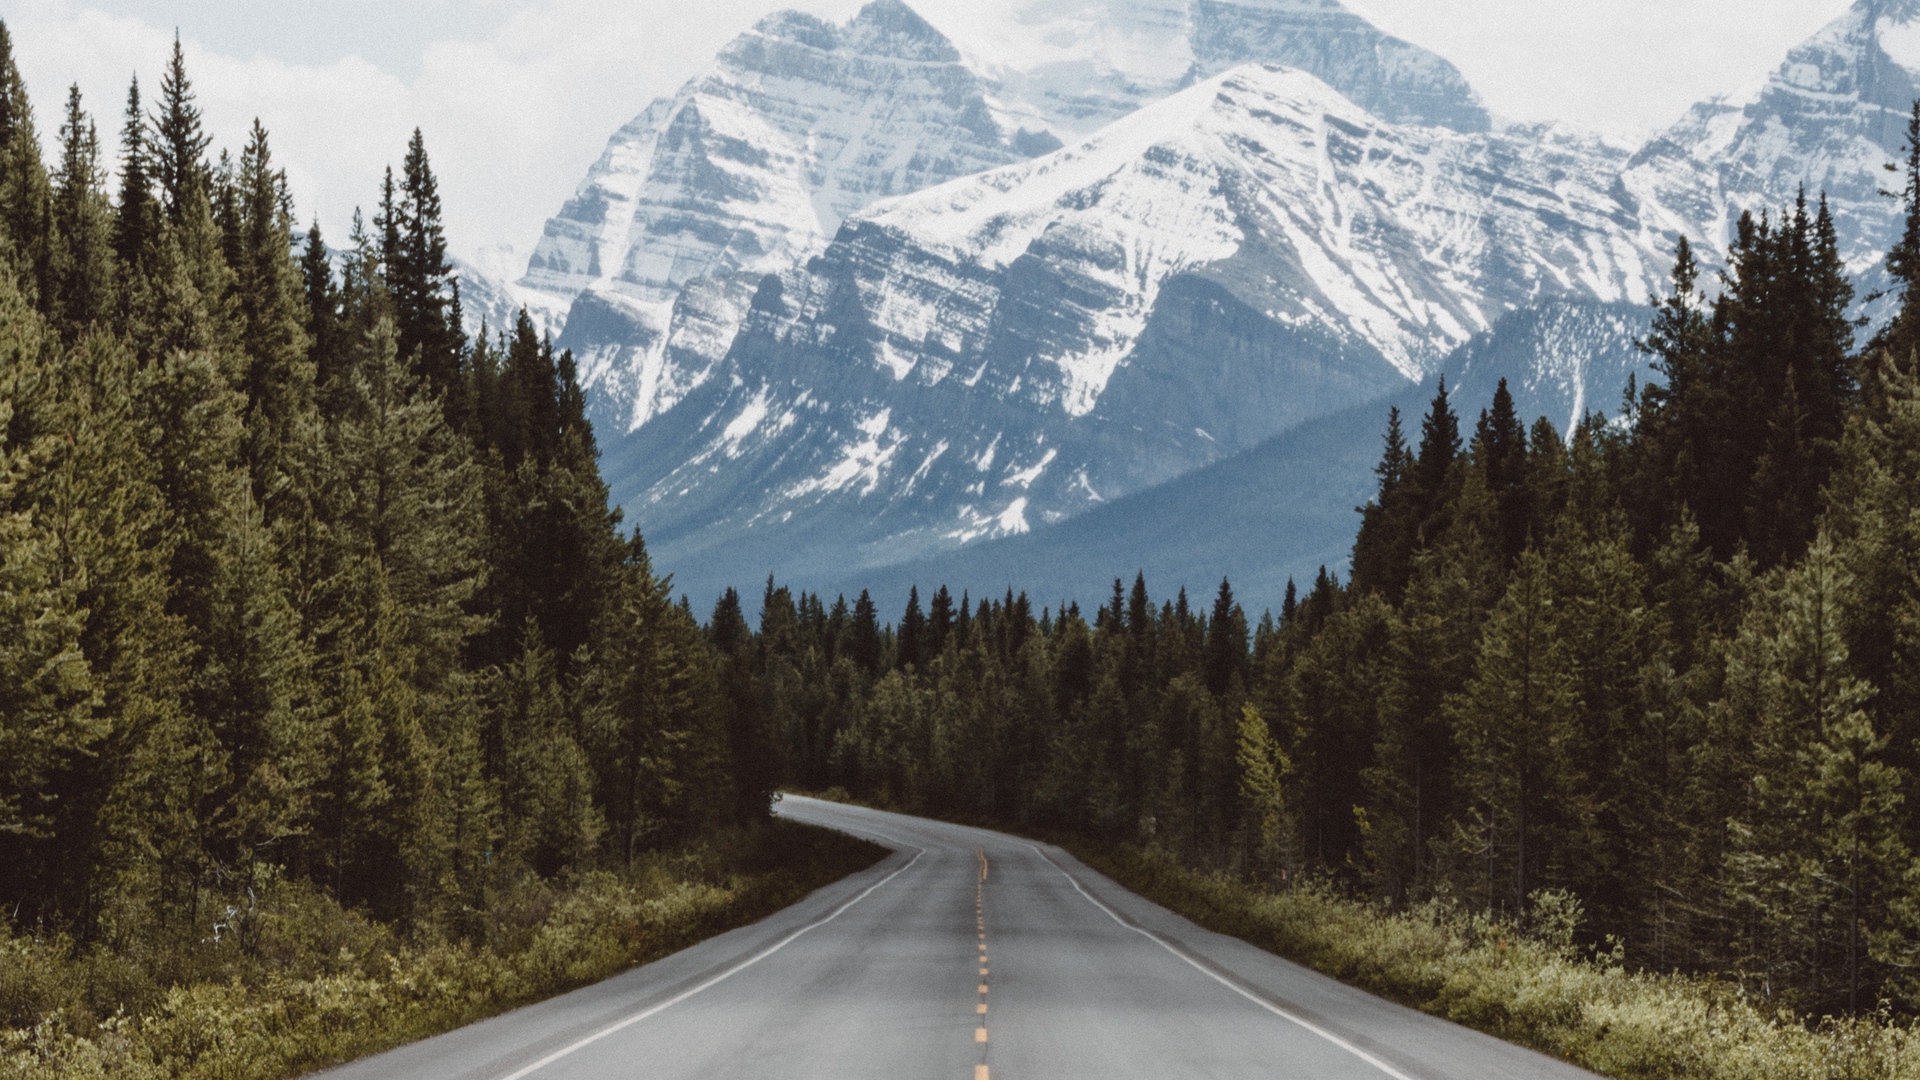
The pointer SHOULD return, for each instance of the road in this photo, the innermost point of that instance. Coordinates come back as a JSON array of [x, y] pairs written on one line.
[[963, 954]]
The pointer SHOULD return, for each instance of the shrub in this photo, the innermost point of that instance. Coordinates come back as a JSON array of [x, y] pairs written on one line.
[[1533, 989], [323, 985]]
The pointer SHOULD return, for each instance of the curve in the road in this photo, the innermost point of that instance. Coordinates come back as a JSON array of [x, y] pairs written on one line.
[[865, 979]]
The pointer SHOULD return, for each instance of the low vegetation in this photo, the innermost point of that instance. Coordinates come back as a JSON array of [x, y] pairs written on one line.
[[1530, 984], [298, 983]]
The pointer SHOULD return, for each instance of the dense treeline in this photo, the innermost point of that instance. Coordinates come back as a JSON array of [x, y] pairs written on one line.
[[1667, 666], [297, 582]]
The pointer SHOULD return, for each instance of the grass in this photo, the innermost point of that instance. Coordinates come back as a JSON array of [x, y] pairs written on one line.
[[320, 985], [1536, 991]]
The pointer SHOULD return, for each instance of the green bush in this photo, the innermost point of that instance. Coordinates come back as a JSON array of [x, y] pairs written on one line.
[[1533, 988], [321, 985]]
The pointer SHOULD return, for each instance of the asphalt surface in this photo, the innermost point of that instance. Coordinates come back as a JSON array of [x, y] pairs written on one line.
[[963, 954]]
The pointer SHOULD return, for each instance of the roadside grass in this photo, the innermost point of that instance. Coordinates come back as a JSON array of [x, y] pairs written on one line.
[[318, 985], [1535, 990]]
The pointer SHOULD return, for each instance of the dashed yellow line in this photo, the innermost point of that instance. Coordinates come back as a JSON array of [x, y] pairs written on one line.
[[980, 924]]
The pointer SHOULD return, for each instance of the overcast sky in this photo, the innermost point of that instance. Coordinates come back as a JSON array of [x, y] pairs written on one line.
[[517, 97]]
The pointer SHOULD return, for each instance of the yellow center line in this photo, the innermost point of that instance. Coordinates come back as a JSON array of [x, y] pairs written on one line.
[[983, 988], [979, 1072], [981, 1008], [980, 1034]]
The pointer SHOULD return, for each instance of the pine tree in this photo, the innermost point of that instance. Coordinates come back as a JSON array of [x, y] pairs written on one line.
[[279, 381], [913, 632], [137, 216], [864, 642], [1226, 642], [1500, 448], [1515, 739], [422, 281], [83, 270], [179, 145], [1263, 804], [26, 200]]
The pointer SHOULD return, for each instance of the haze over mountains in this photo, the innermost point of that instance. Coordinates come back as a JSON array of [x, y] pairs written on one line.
[[853, 300]]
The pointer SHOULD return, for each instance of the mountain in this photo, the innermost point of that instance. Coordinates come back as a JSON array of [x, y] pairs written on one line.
[[934, 335], [748, 171], [1828, 119], [1283, 508], [752, 167], [1006, 351], [1075, 68]]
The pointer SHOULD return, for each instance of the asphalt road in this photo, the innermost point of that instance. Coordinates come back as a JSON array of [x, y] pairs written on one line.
[[964, 953]]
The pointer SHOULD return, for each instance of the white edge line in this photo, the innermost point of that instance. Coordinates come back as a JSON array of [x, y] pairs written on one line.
[[723, 976], [1262, 1002]]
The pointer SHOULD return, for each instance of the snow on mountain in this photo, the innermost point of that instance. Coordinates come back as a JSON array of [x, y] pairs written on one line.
[[751, 168], [1828, 119], [845, 302], [1077, 66], [1007, 350], [748, 171], [1282, 509]]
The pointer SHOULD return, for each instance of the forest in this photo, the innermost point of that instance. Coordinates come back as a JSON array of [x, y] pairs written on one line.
[[1665, 669], [300, 584]]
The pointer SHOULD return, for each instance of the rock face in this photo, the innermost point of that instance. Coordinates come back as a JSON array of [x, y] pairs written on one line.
[[1008, 350], [1827, 120], [748, 171]]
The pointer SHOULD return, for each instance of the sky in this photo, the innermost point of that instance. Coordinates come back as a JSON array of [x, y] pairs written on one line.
[[516, 98]]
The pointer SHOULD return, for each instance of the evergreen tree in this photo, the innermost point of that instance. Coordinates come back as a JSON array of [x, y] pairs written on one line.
[[1515, 741], [82, 223], [179, 145], [26, 201], [137, 216], [913, 632]]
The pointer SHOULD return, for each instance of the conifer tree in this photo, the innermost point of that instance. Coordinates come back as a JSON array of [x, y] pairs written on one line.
[[26, 203], [1263, 804], [279, 381], [83, 271], [137, 216], [1226, 642], [1515, 740], [179, 145], [911, 649]]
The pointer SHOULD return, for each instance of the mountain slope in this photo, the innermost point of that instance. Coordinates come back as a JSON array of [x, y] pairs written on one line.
[[1827, 120], [748, 171], [1284, 508]]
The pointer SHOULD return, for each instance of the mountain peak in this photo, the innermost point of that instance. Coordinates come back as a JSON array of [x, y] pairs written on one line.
[[891, 28], [1388, 77]]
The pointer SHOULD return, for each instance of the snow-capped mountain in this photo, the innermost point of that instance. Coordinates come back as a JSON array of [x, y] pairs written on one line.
[[844, 301], [1010, 349], [748, 171], [751, 168], [1828, 119]]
